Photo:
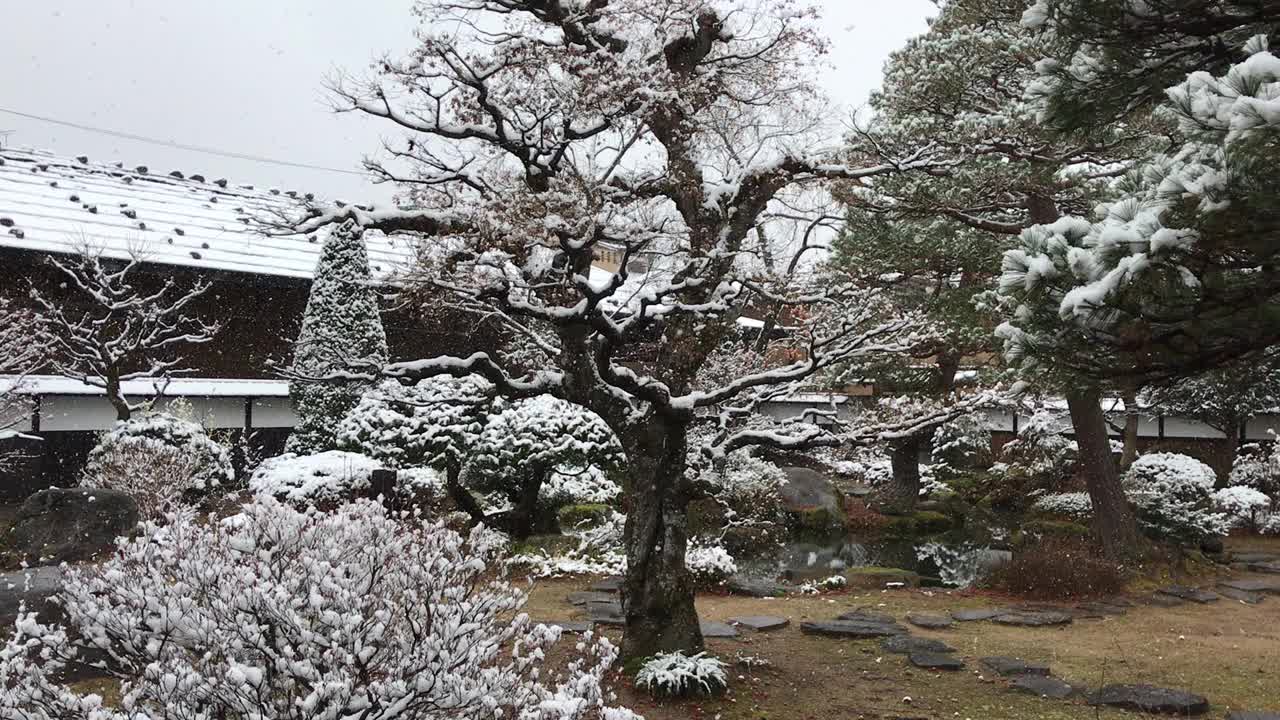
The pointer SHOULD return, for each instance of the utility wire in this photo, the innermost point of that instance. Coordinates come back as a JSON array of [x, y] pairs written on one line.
[[179, 146]]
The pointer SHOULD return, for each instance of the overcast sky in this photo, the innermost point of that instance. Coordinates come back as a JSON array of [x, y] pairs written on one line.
[[246, 76]]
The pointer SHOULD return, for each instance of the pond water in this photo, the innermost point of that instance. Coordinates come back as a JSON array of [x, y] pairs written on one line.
[[950, 560]]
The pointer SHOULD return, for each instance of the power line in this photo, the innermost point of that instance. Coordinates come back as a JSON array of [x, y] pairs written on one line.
[[180, 146]]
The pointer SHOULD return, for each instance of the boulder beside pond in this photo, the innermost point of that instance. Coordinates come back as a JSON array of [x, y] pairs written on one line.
[[70, 525], [811, 500]]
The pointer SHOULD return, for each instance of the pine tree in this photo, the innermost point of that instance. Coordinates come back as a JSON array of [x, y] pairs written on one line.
[[341, 325], [935, 239]]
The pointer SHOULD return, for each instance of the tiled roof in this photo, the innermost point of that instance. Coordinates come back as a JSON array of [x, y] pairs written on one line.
[[56, 204]]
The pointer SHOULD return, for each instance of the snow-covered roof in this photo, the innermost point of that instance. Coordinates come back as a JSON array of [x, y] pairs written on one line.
[[56, 204], [177, 387]]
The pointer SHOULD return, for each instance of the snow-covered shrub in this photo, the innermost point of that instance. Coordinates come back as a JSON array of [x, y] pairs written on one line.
[[1269, 524], [341, 323], [1040, 451], [1077, 505], [278, 613], [679, 675], [1243, 506], [815, 587], [158, 459], [710, 565], [1258, 467], [961, 445], [333, 476], [599, 552], [590, 485], [544, 436], [431, 423], [1172, 494]]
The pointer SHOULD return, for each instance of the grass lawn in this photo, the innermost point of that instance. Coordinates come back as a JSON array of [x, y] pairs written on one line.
[[1226, 651]]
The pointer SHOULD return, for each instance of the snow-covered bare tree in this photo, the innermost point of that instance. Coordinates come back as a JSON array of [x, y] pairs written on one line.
[[21, 351], [341, 322], [281, 614], [935, 239], [113, 324], [543, 132]]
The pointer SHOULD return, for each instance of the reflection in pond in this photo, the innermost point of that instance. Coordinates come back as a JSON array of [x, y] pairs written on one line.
[[947, 560]]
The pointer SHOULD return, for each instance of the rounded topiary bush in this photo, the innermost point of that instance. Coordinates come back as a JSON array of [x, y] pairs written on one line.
[[678, 675], [329, 478], [1173, 497], [160, 460]]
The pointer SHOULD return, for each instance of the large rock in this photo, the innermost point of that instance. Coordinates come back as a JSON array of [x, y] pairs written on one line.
[[1183, 592], [811, 501], [1252, 715], [1263, 586], [907, 644], [935, 661], [1032, 618], [70, 525], [760, 623], [738, 585], [1151, 699]]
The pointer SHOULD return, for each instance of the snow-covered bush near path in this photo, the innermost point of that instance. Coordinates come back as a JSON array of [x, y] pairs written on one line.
[[679, 675], [831, 582], [744, 486], [588, 485], [278, 613], [599, 552], [333, 476], [1243, 506], [1172, 494], [1076, 505], [158, 459], [710, 565], [1269, 524], [1258, 467]]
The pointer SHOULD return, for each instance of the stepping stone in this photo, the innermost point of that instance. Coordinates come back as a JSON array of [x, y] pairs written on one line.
[[606, 613], [1272, 567], [1043, 686], [1100, 608], [851, 629], [974, 614], [1254, 557], [1189, 593], [907, 644], [1264, 586], [930, 622], [1162, 600], [1252, 715], [755, 588], [935, 661], [573, 627], [713, 629], [1032, 618], [607, 585], [1151, 699], [760, 623], [1244, 596], [867, 616], [1009, 666], [584, 598]]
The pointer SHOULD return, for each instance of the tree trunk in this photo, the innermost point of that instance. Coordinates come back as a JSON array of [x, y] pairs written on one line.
[[1113, 523], [460, 495], [900, 495], [657, 594], [117, 398], [1130, 452], [520, 520]]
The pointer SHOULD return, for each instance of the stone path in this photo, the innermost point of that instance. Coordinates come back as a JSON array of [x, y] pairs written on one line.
[[1026, 676]]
